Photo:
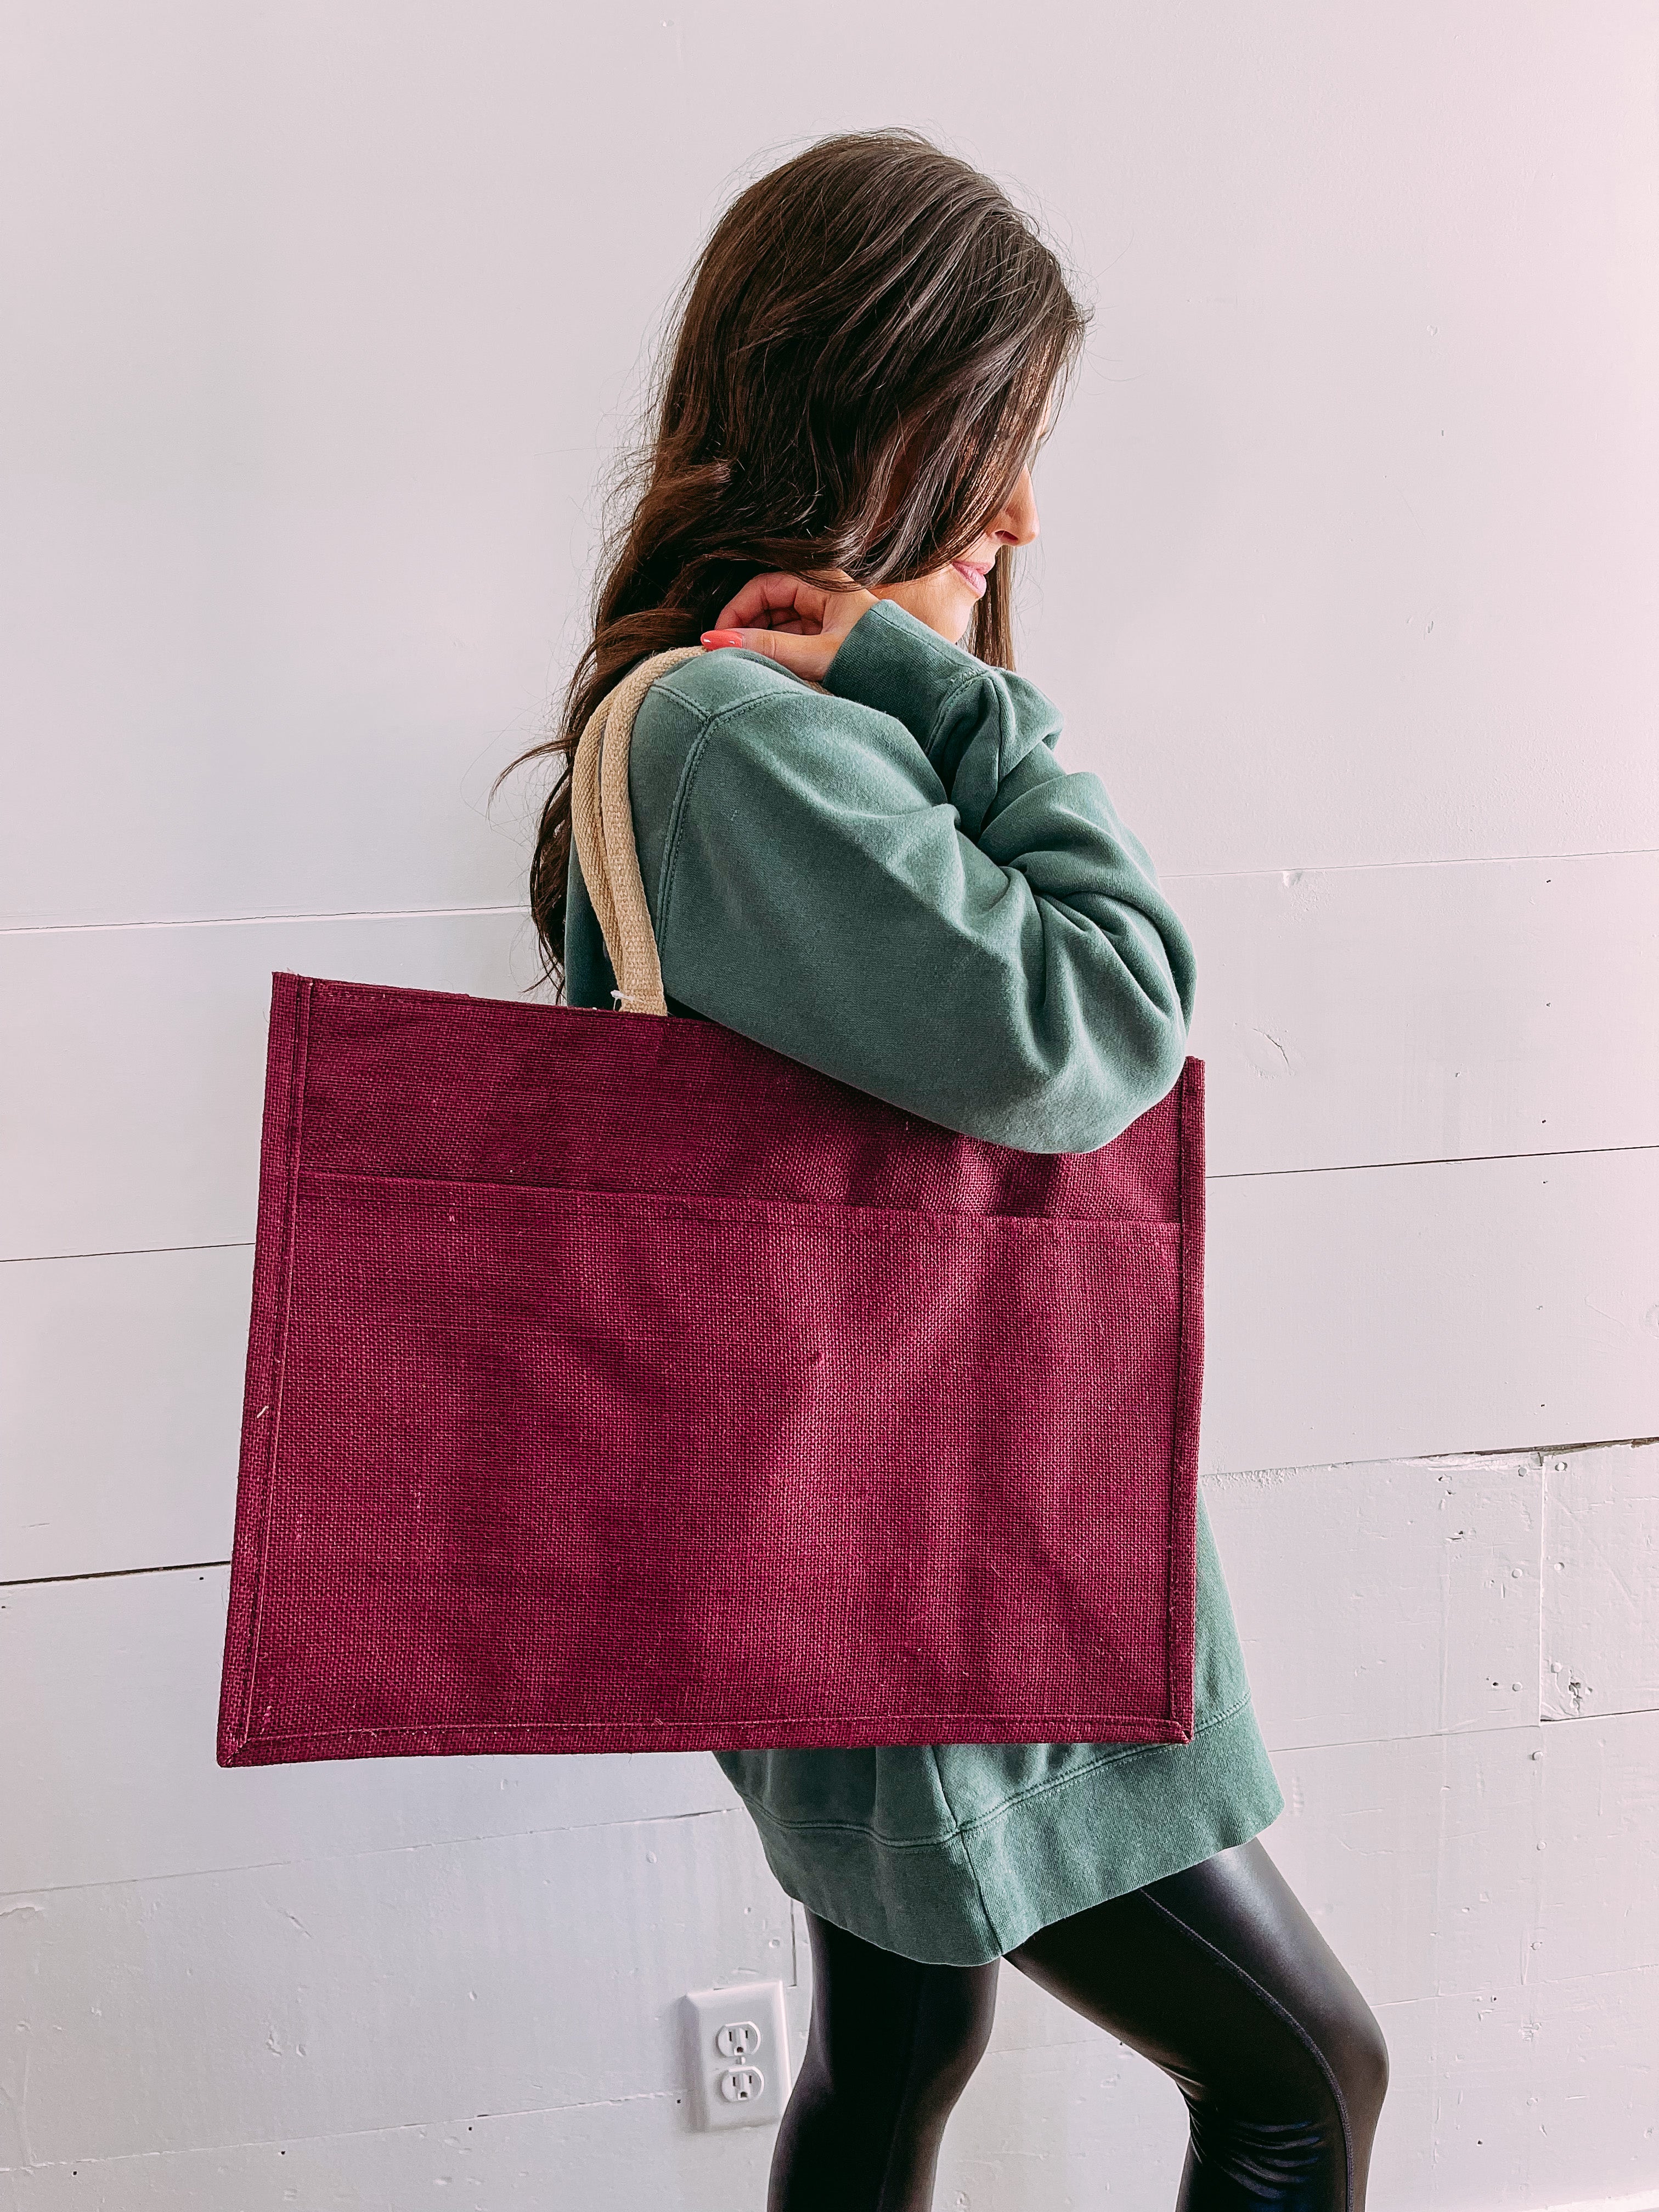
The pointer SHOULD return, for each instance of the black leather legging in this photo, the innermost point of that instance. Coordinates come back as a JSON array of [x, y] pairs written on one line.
[[1217, 1975]]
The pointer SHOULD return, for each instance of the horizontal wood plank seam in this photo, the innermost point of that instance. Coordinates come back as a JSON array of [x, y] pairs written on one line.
[[260, 921], [1225, 1175], [1181, 876]]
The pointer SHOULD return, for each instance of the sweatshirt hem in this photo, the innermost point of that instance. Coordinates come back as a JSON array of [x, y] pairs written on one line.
[[979, 1890]]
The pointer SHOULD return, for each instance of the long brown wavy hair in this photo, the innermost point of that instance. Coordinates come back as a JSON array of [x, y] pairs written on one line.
[[864, 350]]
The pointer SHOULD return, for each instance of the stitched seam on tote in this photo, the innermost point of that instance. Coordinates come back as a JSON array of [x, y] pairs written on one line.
[[1116, 1756], [474, 1728], [276, 1382], [1168, 1231]]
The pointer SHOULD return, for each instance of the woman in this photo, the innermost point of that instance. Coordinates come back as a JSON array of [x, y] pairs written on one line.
[[885, 872]]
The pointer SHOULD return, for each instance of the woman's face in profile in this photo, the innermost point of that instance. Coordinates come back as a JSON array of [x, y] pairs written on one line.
[[946, 600], [791, 605]]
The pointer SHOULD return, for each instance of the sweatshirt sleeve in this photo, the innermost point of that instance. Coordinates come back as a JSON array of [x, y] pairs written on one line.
[[895, 881]]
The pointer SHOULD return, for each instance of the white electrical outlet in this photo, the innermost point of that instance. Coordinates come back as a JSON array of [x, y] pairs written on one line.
[[738, 2055]]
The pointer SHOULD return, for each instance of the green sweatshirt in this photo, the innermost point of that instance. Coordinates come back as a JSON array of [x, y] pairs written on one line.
[[895, 881]]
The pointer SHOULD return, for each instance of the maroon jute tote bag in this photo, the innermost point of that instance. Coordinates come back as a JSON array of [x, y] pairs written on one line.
[[616, 1383]]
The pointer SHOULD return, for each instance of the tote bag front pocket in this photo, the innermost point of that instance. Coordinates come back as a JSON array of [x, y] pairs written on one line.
[[675, 1473]]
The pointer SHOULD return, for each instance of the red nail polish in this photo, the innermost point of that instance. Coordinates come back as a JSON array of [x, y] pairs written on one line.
[[718, 637]]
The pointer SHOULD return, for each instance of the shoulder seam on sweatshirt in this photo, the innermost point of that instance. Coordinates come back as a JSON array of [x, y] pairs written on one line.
[[665, 685], [708, 721], [707, 718], [714, 714], [972, 675]]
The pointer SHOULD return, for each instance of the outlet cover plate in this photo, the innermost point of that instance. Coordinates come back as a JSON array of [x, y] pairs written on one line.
[[737, 2052]]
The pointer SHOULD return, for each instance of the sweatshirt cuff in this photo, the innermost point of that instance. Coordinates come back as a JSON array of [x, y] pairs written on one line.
[[892, 661]]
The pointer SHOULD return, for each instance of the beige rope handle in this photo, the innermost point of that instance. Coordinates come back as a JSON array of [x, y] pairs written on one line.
[[602, 822]]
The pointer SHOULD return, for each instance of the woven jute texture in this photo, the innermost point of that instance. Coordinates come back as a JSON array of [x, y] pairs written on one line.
[[614, 1384], [602, 823]]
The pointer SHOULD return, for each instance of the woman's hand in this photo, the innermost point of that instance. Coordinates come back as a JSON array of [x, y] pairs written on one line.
[[795, 620]]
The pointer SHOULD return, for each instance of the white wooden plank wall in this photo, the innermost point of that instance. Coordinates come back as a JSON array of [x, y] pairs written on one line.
[[1347, 585]]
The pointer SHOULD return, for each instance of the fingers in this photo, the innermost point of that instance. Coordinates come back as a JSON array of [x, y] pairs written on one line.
[[771, 600], [794, 620], [802, 656]]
